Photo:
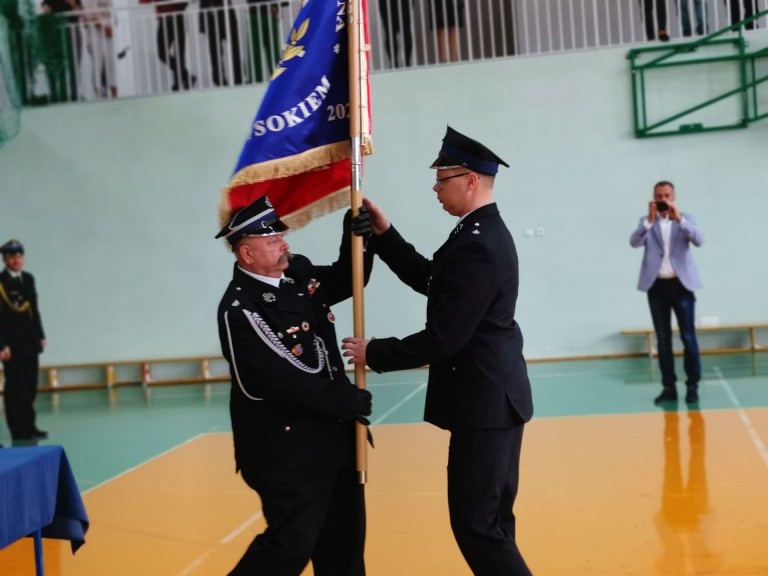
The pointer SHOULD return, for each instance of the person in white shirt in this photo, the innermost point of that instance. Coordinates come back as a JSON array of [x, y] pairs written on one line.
[[97, 16]]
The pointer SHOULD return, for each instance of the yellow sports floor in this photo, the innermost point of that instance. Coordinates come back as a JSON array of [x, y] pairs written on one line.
[[655, 492]]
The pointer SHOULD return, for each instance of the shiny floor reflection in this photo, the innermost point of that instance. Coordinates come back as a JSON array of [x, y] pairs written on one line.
[[610, 484], [684, 513]]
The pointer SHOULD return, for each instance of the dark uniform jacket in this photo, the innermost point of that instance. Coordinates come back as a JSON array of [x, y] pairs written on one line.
[[292, 405], [20, 324], [477, 374]]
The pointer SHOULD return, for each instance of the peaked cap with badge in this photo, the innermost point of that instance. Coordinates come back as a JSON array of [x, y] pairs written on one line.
[[12, 247], [257, 219], [459, 151]]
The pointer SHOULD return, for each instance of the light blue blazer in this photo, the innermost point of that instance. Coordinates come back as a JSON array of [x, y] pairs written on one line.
[[683, 235]]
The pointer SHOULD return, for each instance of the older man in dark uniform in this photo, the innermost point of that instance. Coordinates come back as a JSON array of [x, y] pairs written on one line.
[[478, 384], [22, 339], [292, 406]]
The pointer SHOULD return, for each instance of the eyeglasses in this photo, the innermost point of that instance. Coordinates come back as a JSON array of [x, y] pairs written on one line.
[[439, 181]]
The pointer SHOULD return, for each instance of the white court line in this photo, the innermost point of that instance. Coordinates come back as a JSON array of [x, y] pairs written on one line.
[[191, 568], [399, 404], [155, 457], [383, 384], [240, 529], [756, 440]]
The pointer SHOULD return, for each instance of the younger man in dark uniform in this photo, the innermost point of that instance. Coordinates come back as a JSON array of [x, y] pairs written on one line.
[[478, 384], [22, 339], [292, 406]]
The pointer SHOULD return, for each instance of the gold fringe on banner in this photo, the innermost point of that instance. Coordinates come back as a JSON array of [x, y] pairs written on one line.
[[224, 209], [321, 207], [283, 168]]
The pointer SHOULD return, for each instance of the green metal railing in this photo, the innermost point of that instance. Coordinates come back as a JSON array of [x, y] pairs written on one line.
[[692, 54]]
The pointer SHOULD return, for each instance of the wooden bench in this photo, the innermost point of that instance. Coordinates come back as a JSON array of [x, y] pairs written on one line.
[[145, 373], [751, 330]]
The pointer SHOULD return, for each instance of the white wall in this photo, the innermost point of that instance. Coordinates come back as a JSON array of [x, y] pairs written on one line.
[[116, 203]]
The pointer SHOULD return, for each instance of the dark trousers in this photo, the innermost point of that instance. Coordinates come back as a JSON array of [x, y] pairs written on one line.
[[319, 518], [396, 19], [265, 40], [60, 51], [172, 47], [664, 297], [19, 393], [10, 10], [659, 22], [215, 28], [699, 13], [483, 472], [749, 11]]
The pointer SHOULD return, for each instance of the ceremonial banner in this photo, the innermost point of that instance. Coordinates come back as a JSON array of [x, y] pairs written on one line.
[[298, 147]]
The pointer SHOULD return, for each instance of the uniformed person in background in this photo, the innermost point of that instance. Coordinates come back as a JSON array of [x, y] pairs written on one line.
[[22, 340], [478, 384], [292, 406]]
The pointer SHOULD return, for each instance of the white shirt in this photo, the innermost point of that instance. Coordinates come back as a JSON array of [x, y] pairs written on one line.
[[665, 223], [666, 270]]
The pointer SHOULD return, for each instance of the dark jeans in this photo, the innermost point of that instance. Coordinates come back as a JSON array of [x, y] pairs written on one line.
[[699, 12], [396, 19], [215, 27], [665, 296], [749, 11], [648, 16], [172, 47]]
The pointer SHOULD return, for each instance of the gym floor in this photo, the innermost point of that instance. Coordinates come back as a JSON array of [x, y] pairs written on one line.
[[610, 484]]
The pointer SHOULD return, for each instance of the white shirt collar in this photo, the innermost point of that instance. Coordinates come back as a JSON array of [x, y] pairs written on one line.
[[266, 279]]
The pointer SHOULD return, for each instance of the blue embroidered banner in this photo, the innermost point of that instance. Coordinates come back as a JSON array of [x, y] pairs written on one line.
[[298, 146]]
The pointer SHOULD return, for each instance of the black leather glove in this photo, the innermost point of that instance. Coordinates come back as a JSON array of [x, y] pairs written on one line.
[[364, 409], [361, 224]]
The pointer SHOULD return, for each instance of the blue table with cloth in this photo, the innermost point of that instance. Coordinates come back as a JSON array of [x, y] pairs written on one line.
[[39, 498]]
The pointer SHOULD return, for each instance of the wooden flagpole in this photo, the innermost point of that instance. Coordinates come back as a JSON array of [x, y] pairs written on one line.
[[354, 31]]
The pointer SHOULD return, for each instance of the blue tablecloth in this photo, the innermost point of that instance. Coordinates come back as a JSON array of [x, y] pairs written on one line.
[[38, 492]]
